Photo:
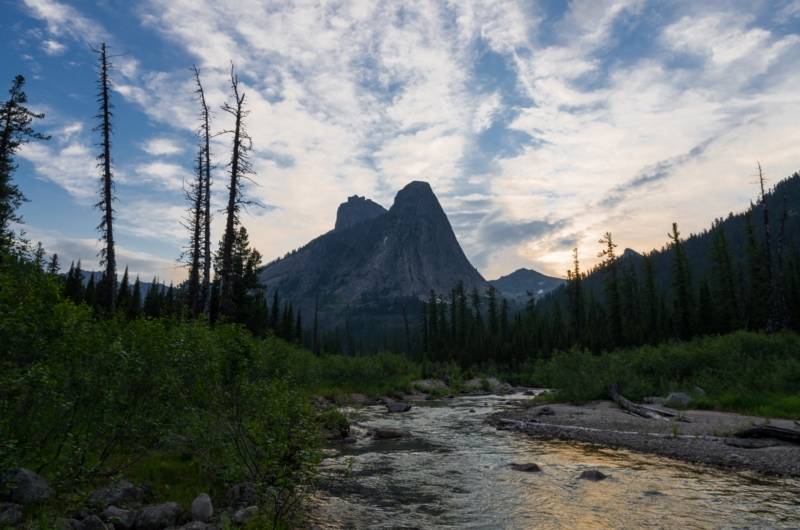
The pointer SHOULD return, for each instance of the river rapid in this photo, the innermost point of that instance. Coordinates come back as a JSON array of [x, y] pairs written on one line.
[[452, 470]]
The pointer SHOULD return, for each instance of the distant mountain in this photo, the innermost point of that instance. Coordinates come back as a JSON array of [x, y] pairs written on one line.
[[523, 283], [782, 201], [376, 263]]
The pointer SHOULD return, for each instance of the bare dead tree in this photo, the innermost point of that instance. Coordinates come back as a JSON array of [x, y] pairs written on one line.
[[240, 168], [193, 255], [107, 254], [205, 133]]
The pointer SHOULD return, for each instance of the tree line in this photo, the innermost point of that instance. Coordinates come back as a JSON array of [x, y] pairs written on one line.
[[221, 285], [631, 299]]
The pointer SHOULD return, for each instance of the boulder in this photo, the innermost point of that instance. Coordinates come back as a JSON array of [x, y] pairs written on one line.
[[158, 516], [62, 523], [678, 400], [121, 519], [397, 406], [93, 523], [245, 514], [527, 468], [23, 486], [242, 495], [121, 493], [10, 514], [202, 509], [593, 475], [387, 433], [197, 525]]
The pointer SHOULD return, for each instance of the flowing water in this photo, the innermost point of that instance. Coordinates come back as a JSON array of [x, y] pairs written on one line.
[[452, 471]]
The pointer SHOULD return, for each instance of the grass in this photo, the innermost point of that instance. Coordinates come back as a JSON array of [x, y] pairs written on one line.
[[754, 404]]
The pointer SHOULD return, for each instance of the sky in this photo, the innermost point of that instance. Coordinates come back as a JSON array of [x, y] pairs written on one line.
[[540, 125]]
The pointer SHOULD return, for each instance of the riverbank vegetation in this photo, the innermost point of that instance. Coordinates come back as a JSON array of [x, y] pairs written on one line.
[[752, 373]]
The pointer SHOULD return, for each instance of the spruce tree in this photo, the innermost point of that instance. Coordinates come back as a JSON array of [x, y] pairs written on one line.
[[193, 252], [611, 288], [107, 294], [205, 134], [90, 295], [124, 293], [681, 287], [723, 284], [16, 129], [53, 267], [135, 306]]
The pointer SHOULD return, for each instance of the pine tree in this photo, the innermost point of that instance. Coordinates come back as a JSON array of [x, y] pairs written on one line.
[[16, 121], [124, 293], [681, 287], [611, 287], [73, 286], [491, 311], [651, 303], [298, 328], [152, 300], [107, 295], [90, 295], [705, 310], [274, 318], [135, 306], [53, 267], [574, 278], [756, 279], [723, 285], [38, 256]]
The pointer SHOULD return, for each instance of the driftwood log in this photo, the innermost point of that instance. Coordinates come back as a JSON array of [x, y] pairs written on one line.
[[639, 410], [771, 431]]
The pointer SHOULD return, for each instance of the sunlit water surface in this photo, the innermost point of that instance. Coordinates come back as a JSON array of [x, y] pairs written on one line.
[[452, 471]]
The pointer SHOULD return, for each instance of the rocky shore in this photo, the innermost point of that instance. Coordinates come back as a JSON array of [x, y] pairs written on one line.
[[696, 436]]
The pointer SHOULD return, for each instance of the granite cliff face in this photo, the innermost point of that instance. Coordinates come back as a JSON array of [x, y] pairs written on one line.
[[376, 257], [356, 210]]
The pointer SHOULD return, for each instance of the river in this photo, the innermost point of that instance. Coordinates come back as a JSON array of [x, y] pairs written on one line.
[[453, 471]]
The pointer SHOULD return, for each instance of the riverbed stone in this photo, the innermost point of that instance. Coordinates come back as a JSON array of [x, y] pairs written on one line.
[[245, 514], [158, 516], [527, 468], [678, 400], [120, 518], [430, 386], [593, 475], [23, 486], [397, 406], [122, 494], [202, 508], [93, 522], [10, 514], [242, 495], [385, 433]]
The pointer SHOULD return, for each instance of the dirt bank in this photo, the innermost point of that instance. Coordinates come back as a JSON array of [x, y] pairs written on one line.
[[694, 436]]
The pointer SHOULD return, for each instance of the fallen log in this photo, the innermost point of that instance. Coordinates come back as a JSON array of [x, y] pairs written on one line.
[[639, 410], [771, 431]]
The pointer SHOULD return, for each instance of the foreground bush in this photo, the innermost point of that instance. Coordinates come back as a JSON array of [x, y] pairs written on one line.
[[83, 399]]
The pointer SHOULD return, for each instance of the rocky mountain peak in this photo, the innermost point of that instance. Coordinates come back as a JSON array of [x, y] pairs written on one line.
[[417, 199], [356, 210]]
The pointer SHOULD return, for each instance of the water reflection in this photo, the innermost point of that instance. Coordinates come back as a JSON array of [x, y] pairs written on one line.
[[453, 472]]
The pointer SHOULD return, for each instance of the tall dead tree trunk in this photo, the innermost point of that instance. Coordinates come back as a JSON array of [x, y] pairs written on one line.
[[195, 196], [205, 131], [239, 169], [106, 228]]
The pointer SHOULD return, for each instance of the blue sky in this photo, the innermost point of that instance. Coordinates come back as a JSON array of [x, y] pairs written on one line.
[[539, 124]]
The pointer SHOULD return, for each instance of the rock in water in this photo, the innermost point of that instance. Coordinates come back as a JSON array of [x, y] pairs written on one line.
[[388, 434], [528, 468], [202, 509], [397, 406], [593, 475], [23, 486], [158, 516]]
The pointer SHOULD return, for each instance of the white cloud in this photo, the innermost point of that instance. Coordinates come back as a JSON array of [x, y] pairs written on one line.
[[71, 166], [162, 147], [53, 47], [65, 20], [165, 175]]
